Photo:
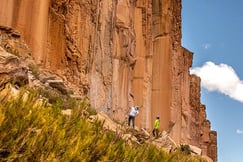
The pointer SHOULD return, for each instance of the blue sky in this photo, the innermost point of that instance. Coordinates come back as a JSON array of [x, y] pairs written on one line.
[[213, 31]]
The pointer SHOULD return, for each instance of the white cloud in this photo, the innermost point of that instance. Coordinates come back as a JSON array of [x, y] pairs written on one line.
[[238, 131], [206, 46], [221, 78]]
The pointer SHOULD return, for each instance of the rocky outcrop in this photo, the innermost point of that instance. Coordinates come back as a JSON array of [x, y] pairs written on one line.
[[11, 70], [201, 135], [117, 53]]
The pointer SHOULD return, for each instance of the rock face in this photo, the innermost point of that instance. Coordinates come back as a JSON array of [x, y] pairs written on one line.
[[118, 53]]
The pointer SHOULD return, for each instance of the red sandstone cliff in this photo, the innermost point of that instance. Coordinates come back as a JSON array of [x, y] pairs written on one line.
[[119, 53]]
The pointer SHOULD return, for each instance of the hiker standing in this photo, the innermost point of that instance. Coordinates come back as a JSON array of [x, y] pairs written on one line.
[[132, 114], [156, 127]]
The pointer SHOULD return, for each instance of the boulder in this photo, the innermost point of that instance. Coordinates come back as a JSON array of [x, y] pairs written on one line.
[[12, 70]]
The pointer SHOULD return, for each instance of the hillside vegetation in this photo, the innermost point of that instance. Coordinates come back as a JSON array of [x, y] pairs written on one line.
[[33, 129]]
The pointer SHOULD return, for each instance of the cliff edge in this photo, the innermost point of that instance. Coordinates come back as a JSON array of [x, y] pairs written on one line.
[[118, 54]]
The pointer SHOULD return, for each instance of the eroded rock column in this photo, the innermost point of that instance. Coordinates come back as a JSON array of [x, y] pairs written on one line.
[[161, 70], [142, 72], [30, 17]]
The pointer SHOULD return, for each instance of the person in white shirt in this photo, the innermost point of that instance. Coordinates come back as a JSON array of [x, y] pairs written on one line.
[[131, 118]]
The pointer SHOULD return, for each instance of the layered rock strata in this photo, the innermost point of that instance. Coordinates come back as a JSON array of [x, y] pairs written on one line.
[[119, 53]]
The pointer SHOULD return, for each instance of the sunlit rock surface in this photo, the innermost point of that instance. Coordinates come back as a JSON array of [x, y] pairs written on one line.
[[117, 53]]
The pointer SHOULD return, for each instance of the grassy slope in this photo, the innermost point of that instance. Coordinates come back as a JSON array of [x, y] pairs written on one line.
[[31, 130]]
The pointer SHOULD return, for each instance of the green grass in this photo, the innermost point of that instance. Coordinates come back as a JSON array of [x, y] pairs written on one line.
[[34, 69], [31, 130]]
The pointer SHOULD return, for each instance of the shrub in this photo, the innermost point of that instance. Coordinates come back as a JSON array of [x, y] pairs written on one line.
[[31, 130], [34, 69]]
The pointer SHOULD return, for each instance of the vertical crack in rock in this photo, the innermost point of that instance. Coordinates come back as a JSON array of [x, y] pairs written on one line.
[[118, 53]]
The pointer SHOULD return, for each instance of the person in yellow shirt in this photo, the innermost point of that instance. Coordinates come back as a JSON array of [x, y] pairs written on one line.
[[156, 127]]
